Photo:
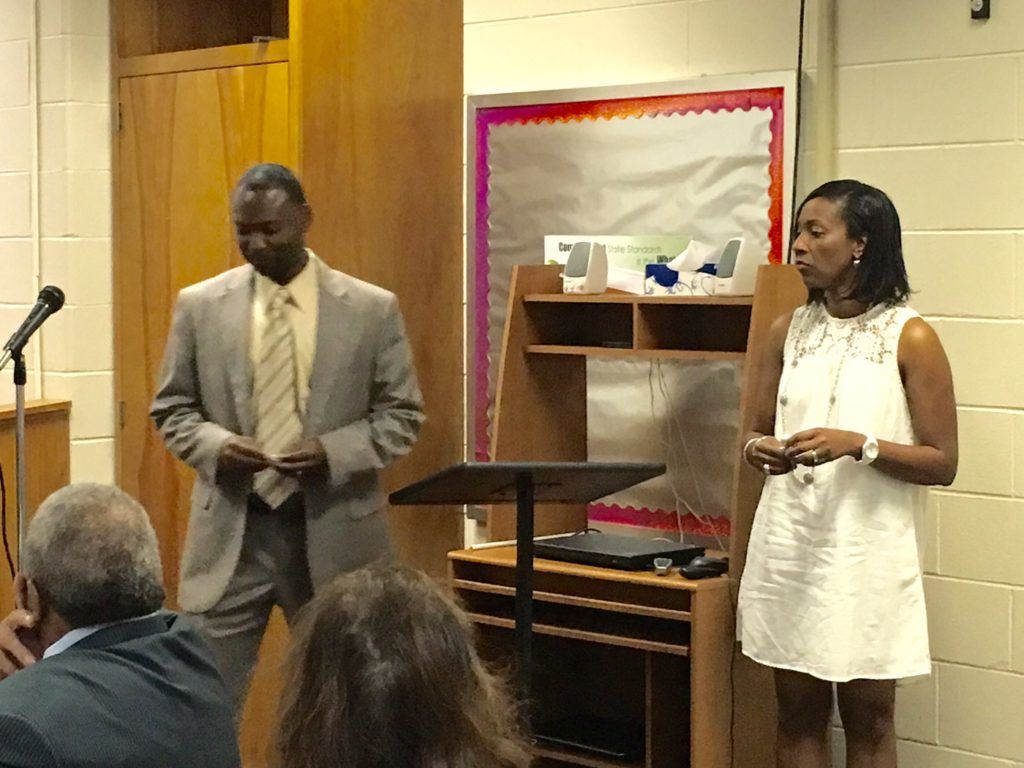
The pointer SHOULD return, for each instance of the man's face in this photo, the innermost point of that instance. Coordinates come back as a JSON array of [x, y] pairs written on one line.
[[271, 231]]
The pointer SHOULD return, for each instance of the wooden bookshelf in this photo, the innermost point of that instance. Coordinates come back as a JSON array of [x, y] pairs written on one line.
[[541, 415], [663, 643]]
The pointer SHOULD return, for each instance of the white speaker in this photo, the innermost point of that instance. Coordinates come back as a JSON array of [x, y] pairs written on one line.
[[586, 269], [736, 270]]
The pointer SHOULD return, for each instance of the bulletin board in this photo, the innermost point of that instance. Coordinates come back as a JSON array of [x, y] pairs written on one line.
[[708, 158]]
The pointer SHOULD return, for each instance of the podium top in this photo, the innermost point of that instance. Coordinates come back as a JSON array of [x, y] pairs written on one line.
[[494, 482]]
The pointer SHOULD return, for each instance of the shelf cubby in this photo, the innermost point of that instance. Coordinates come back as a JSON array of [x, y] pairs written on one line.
[[146, 27], [584, 324], [693, 327], [645, 327]]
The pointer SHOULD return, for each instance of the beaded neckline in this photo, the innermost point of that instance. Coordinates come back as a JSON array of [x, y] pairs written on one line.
[[862, 336]]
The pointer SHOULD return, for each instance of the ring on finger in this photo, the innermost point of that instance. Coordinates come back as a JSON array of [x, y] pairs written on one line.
[[766, 468], [814, 457]]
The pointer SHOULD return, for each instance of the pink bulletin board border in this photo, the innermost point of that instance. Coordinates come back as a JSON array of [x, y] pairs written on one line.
[[658, 519]]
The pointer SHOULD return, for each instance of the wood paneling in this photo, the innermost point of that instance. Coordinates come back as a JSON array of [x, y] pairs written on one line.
[[142, 27], [47, 468], [378, 95], [185, 140]]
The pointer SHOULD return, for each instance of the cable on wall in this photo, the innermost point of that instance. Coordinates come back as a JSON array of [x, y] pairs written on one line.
[[799, 94]]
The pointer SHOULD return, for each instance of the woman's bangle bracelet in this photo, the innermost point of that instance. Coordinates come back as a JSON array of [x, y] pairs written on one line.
[[750, 442]]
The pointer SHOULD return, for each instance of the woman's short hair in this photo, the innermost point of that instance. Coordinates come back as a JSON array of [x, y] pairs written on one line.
[[869, 215], [383, 673]]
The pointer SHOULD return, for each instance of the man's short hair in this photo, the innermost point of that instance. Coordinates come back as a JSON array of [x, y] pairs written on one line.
[[93, 555], [266, 176]]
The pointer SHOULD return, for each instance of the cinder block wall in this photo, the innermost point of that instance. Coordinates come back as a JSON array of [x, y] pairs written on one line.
[[55, 210]]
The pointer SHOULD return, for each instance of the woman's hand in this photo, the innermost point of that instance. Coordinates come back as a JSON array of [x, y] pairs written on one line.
[[767, 454], [821, 445]]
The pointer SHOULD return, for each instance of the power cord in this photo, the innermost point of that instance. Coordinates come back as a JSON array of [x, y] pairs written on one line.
[[663, 387], [670, 456], [732, 687], [673, 414], [3, 522], [796, 123]]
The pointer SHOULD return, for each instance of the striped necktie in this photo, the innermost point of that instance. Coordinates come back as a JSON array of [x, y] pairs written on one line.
[[278, 423]]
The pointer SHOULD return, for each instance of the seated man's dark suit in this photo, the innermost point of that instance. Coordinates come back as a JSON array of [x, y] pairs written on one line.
[[139, 694]]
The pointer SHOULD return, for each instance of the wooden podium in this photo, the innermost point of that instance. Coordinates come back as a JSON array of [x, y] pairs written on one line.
[[48, 467]]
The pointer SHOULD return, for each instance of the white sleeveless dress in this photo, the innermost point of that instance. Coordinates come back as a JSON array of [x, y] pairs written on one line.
[[832, 584]]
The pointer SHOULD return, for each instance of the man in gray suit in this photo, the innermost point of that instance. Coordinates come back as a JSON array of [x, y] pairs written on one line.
[[286, 385], [92, 672]]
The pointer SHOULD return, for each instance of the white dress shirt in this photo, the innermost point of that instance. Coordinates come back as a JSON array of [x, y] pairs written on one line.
[[301, 312], [80, 633]]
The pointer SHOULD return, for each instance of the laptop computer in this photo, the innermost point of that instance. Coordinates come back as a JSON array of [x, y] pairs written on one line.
[[626, 553]]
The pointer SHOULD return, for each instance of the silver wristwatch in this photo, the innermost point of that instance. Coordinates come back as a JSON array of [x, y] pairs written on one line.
[[868, 451]]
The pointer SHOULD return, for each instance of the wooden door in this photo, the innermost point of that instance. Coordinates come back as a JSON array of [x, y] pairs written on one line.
[[185, 139]]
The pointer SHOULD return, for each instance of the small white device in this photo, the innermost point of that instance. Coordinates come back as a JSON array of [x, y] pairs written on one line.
[[736, 271], [586, 269]]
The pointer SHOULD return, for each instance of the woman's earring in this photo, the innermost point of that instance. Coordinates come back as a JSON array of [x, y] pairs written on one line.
[[856, 261]]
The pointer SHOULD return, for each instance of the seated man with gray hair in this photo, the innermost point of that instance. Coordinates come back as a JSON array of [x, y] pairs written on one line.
[[94, 672]]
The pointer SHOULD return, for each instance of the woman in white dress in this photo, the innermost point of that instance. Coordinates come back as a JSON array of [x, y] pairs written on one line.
[[854, 415]]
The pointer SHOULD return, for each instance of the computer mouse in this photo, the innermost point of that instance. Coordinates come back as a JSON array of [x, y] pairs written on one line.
[[704, 567], [707, 561]]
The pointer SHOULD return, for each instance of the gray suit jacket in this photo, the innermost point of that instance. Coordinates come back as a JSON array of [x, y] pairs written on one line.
[[144, 694], [364, 405]]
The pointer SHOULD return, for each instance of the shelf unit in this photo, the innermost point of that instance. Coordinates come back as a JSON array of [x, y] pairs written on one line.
[[632, 649], [621, 325], [540, 403], [541, 415]]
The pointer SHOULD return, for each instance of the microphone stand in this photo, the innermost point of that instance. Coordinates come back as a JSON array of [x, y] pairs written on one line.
[[20, 379], [51, 299]]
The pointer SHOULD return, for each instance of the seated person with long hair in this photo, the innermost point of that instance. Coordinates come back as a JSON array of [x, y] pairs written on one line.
[[383, 673]]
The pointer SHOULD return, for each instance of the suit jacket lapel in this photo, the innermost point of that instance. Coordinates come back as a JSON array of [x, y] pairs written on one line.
[[330, 341], [236, 313]]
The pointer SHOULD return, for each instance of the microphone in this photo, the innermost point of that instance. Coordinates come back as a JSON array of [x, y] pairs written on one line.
[[51, 299]]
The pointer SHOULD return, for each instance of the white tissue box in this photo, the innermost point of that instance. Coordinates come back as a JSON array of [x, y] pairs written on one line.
[[686, 283]]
